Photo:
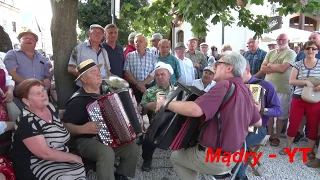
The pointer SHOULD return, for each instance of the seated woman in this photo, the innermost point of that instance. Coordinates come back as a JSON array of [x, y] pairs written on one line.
[[38, 149]]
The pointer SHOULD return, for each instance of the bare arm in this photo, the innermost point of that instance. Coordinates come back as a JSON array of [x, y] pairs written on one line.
[[258, 124], [262, 71], [130, 77], [188, 108], [38, 146], [148, 80], [150, 106], [293, 79], [15, 76], [72, 70], [280, 68]]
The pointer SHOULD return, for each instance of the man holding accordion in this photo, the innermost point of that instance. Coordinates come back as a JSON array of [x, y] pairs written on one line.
[[237, 114]]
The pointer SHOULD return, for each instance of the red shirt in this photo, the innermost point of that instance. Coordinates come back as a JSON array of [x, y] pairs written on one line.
[[236, 116], [129, 48]]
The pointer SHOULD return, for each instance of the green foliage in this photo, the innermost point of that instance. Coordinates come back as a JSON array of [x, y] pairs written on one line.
[[99, 12], [197, 12]]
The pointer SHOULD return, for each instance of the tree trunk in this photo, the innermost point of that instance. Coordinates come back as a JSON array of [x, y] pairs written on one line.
[[64, 39]]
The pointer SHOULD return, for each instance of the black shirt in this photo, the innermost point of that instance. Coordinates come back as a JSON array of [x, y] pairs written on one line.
[[116, 59], [76, 110]]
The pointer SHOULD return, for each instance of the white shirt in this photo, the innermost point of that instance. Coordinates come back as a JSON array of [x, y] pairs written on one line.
[[9, 81], [187, 72], [198, 84]]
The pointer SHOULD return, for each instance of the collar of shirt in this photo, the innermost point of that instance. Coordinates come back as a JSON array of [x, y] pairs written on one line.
[[252, 79], [257, 51]]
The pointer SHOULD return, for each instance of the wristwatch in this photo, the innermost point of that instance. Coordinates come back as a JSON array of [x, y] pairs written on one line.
[[265, 111]]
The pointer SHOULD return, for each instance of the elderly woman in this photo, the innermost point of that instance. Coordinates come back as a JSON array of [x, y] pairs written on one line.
[[308, 67], [38, 149]]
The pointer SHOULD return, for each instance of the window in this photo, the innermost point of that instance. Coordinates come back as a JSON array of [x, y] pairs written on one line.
[[14, 26], [180, 36]]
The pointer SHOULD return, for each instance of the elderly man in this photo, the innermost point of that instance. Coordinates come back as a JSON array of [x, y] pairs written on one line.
[[26, 62], [92, 49], [115, 51], [166, 57], [204, 48], [238, 114], [272, 46], [186, 66], [314, 36], [254, 55], [76, 120], [272, 109], [206, 82], [199, 59], [163, 72], [277, 68], [156, 37], [130, 46], [138, 67]]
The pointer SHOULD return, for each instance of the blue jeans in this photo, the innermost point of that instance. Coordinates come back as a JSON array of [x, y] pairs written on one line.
[[252, 139]]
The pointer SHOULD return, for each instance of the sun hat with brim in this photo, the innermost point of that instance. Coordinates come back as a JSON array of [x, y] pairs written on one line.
[[85, 66], [27, 31]]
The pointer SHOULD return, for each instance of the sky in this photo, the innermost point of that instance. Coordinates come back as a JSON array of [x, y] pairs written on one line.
[[39, 8]]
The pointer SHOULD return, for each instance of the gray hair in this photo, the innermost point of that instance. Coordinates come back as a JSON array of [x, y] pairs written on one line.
[[140, 34], [238, 62]]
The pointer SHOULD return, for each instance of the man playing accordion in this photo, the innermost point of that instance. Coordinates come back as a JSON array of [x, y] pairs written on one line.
[[77, 122], [237, 115]]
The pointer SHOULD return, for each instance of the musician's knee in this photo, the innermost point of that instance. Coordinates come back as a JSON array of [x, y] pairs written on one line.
[[174, 157], [133, 148], [105, 153]]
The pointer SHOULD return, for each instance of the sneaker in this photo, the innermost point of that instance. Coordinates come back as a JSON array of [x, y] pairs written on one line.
[[298, 137]]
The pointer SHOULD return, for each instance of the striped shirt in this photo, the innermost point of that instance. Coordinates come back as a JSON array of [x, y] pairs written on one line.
[[306, 72], [140, 66]]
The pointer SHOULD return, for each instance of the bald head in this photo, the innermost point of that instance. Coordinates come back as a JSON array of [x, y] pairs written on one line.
[[282, 41], [252, 45], [314, 36]]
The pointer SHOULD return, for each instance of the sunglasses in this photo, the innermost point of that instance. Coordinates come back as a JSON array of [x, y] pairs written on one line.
[[313, 48]]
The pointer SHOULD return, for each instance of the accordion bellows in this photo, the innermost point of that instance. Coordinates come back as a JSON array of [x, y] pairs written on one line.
[[256, 91], [119, 118]]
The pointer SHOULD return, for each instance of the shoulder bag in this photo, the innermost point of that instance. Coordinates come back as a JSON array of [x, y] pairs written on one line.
[[308, 94]]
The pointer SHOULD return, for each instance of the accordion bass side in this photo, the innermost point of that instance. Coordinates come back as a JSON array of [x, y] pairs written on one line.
[[118, 116]]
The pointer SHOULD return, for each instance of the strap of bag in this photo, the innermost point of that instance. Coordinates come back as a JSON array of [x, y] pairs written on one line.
[[300, 69], [105, 62], [224, 101]]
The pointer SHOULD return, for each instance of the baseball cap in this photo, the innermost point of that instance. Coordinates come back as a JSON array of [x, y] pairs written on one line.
[[131, 36], [162, 65], [92, 26], [180, 45], [156, 36], [209, 68], [204, 44]]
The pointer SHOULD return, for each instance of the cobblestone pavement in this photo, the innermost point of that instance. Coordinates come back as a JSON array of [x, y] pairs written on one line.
[[273, 169]]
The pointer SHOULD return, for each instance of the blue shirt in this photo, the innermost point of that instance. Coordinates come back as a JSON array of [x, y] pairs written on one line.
[[116, 59], [301, 55], [271, 100], [174, 62], [27, 68], [255, 60]]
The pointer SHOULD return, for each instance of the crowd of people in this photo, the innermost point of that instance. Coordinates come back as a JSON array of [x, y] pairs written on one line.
[[40, 148]]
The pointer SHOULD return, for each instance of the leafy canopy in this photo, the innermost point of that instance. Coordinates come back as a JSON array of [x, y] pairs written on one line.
[[196, 12]]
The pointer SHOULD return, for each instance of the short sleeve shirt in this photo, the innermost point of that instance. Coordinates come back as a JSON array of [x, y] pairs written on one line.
[[236, 116], [151, 94], [27, 68], [255, 60], [280, 80], [173, 61]]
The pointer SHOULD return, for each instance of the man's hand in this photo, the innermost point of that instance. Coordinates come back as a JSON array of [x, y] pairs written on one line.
[[92, 127], [317, 89], [141, 87], [8, 96], [258, 106], [196, 64], [140, 108], [160, 102]]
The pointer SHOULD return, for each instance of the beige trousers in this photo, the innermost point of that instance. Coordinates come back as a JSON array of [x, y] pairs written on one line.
[[190, 162]]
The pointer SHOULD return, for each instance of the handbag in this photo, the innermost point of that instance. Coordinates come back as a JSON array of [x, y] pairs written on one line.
[[6, 168], [308, 94]]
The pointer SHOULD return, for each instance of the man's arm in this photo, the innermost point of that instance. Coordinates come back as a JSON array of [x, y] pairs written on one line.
[[72, 70], [273, 103], [15, 76], [130, 78], [73, 62], [188, 108], [279, 68]]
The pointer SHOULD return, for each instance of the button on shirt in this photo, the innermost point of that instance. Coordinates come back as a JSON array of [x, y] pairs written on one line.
[[27, 68], [187, 71], [199, 84], [140, 66]]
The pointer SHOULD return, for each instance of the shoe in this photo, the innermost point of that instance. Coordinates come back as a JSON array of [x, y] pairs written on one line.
[[246, 178], [120, 177], [298, 137], [314, 163], [146, 166]]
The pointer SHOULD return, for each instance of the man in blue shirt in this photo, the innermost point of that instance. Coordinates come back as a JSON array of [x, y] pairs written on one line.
[[115, 51], [272, 109]]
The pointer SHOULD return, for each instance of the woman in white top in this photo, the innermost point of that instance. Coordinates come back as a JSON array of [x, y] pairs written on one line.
[[308, 67]]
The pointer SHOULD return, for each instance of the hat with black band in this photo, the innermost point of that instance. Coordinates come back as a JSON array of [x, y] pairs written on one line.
[[85, 66]]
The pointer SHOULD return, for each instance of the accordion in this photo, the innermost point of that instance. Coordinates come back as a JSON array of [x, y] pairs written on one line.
[[118, 116], [257, 92], [172, 131]]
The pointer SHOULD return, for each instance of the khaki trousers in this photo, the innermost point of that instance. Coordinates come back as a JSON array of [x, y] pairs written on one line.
[[190, 162]]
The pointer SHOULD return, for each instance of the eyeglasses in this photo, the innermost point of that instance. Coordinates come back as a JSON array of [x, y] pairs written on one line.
[[313, 48], [221, 62], [281, 39]]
